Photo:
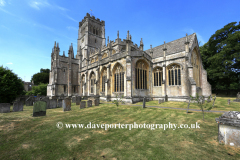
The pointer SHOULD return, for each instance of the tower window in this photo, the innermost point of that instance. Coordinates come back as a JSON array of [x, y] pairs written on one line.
[[96, 32], [64, 88], [93, 30], [95, 40]]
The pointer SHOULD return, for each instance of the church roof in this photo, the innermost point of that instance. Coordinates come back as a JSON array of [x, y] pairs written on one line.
[[172, 47]]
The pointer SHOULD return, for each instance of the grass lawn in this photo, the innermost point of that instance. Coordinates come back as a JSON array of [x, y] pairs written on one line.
[[25, 137], [220, 104]]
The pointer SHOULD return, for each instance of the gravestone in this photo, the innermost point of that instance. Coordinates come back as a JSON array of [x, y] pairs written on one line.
[[46, 99], [22, 100], [74, 99], [29, 101], [144, 101], [96, 102], [228, 101], [209, 99], [5, 107], [59, 103], [82, 104], [66, 104], [229, 128], [89, 103], [17, 106], [78, 99], [203, 100], [238, 97], [166, 98], [39, 108], [52, 103], [160, 101]]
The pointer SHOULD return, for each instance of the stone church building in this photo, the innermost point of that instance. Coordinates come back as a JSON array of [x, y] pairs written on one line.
[[123, 68]]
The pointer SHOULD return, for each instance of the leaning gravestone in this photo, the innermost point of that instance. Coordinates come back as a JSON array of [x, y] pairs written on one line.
[[5, 107], [166, 98], [82, 104], [89, 103], [17, 106], [78, 99], [39, 108], [66, 104], [144, 101], [229, 128]]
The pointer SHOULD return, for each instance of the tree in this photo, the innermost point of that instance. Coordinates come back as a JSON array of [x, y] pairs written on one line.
[[42, 77], [221, 57], [118, 100], [11, 85], [199, 100], [40, 89]]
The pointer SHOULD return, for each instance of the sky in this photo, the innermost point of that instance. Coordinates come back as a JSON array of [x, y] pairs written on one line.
[[29, 28]]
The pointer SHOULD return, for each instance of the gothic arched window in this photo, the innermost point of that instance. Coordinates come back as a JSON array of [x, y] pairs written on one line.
[[83, 81], [174, 75], [118, 79], [93, 30], [158, 77], [97, 32], [104, 78], [92, 78], [141, 76]]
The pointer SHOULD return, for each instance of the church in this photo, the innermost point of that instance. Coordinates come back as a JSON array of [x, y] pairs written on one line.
[[121, 68]]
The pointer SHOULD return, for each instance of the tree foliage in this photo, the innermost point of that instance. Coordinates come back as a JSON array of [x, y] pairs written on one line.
[[221, 57], [42, 77], [40, 89], [11, 85]]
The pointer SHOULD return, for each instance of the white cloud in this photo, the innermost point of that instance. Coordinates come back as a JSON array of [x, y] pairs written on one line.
[[71, 18], [6, 11], [2, 3], [10, 63], [38, 4], [72, 28]]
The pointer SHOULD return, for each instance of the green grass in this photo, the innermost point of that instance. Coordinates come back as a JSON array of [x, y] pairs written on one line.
[[220, 104], [25, 137]]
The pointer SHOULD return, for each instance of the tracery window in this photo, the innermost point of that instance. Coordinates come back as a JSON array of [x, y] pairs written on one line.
[[113, 51], [119, 79], [104, 78], [104, 55], [141, 76], [158, 77], [174, 75], [92, 78], [83, 81]]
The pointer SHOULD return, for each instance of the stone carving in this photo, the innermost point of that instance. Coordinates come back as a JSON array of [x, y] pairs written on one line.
[[39, 108], [82, 104], [89, 103], [229, 128], [17, 106], [5, 107], [66, 104]]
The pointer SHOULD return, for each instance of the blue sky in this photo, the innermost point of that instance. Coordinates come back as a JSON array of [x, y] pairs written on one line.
[[29, 28]]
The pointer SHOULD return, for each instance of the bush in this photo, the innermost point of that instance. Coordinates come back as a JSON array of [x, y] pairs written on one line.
[[40, 89]]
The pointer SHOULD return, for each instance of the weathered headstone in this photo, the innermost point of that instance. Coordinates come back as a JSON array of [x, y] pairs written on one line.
[[29, 101], [39, 108], [229, 128], [5, 107], [66, 104], [78, 99], [82, 104], [214, 100], [209, 99], [52, 103], [160, 101], [89, 103], [22, 100], [228, 101], [74, 99], [59, 103], [46, 99], [144, 101], [96, 102], [17, 106], [166, 98]]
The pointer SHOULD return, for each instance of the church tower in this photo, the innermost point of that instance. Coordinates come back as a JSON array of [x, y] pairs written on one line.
[[91, 36]]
